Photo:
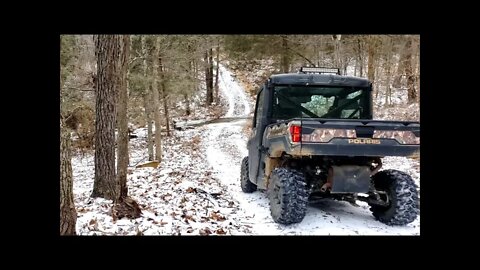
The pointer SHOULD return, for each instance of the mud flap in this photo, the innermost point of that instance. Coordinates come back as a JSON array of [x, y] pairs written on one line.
[[350, 179]]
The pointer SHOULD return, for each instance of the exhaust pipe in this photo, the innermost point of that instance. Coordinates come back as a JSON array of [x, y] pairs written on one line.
[[328, 184]]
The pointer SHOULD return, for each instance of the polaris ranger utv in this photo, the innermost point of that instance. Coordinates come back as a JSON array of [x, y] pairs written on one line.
[[313, 137]]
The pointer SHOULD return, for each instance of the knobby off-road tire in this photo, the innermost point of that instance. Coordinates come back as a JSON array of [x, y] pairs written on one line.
[[288, 196], [403, 196], [247, 186]]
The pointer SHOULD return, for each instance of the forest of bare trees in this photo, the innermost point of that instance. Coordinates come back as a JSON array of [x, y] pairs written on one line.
[[110, 82]]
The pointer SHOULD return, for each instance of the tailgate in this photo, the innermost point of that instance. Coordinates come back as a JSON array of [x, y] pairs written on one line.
[[353, 137]]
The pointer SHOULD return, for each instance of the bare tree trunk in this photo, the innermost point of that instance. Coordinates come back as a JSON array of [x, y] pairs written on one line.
[[122, 137], [336, 52], [388, 71], [371, 62], [164, 96], [360, 55], [285, 62], [377, 77], [355, 69], [209, 75], [107, 49], [416, 61], [156, 105], [400, 67], [187, 103], [148, 116], [68, 214], [147, 101], [412, 94], [216, 73], [388, 90], [196, 69], [124, 206]]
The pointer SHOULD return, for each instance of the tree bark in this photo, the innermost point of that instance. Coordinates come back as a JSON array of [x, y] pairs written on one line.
[[285, 61], [187, 104], [107, 48], [164, 95], [355, 68], [371, 62], [147, 101], [156, 106], [359, 56], [122, 137], [216, 74], [209, 75], [388, 90], [337, 56], [68, 214], [412, 94], [400, 67]]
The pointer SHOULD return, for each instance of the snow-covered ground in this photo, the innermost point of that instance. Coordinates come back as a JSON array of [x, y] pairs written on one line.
[[196, 189]]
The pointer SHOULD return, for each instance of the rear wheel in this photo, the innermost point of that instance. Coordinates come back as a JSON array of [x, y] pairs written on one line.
[[288, 196], [247, 186], [401, 195]]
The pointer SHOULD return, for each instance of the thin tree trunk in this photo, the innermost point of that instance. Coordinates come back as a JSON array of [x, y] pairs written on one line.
[[156, 105], [216, 73], [107, 49], [148, 116], [195, 71], [388, 71], [400, 67], [359, 56], [336, 53], [164, 96], [355, 68], [210, 71], [388, 90], [68, 214], [146, 101], [285, 63], [124, 206], [416, 61], [412, 94], [122, 137], [209, 76], [377, 86], [371, 62], [187, 103]]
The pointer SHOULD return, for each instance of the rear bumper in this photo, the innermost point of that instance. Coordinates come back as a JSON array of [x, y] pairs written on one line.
[[342, 147]]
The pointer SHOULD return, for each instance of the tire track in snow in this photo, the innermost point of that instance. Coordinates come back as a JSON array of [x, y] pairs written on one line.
[[225, 146]]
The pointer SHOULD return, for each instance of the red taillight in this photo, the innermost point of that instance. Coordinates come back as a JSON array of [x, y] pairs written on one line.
[[296, 132]]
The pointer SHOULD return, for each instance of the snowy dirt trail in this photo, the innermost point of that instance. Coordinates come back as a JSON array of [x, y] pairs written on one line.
[[225, 146]]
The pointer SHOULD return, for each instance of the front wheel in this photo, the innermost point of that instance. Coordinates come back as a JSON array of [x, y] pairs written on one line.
[[401, 195]]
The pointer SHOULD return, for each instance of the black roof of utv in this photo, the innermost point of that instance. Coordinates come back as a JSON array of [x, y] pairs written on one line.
[[319, 79]]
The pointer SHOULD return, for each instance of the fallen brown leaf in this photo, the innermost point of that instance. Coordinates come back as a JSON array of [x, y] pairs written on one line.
[[217, 216], [220, 231], [205, 231]]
